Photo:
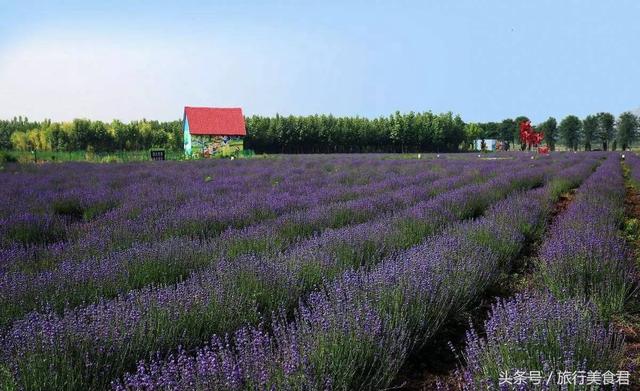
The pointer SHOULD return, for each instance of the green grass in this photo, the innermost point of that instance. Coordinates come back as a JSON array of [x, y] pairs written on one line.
[[12, 156], [84, 156]]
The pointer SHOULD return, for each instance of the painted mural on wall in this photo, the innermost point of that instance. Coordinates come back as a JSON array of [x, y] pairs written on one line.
[[209, 146]]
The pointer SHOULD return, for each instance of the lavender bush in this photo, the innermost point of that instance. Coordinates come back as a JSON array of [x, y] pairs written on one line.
[[585, 256], [587, 275], [409, 297], [542, 334], [196, 306]]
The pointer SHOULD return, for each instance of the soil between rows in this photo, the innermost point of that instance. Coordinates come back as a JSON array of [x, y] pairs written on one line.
[[437, 363]]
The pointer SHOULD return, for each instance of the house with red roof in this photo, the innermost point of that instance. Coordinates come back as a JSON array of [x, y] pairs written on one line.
[[210, 131]]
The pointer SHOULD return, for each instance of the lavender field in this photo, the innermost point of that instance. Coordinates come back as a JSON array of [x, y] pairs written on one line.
[[314, 272]]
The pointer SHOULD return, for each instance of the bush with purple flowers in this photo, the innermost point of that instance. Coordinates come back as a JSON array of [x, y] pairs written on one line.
[[292, 273], [402, 303], [585, 256], [587, 275], [539, 333]]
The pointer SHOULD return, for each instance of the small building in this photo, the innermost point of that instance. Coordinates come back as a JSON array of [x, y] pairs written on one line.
[[490, 144], [211, 131]]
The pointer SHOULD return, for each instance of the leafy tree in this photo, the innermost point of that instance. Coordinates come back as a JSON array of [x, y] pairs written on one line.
[[570, 128], [589, 130], [606, 129], [57, 137], [400, 132], [507, 129], [491, 130], [549, 127], [20, 141], [627, 129], [473, 132], [5, 135]]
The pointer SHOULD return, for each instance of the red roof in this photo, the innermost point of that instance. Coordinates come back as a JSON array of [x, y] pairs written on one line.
[[215, 121]]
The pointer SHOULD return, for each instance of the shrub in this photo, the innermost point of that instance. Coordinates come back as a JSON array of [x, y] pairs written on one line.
[[539, 333]]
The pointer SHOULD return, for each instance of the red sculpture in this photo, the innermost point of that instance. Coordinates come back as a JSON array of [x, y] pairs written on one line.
[[528, 135], [543, 150]]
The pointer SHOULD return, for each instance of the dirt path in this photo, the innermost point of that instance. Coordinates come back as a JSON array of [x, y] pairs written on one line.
[[438, 362], [629, 324]]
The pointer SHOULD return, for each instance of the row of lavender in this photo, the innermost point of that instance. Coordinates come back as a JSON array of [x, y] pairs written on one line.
[[85, 346], [356, 331], [53, 215], [586, 275], [72, 282]]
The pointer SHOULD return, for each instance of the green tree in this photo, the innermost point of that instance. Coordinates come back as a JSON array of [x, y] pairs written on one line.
[[491, 130], [473, 132], [627, 129], [5, 135], [569, 129], [20, 141], [549, 127], [506, 130], [589, 130], [57, 137], [606, 129]]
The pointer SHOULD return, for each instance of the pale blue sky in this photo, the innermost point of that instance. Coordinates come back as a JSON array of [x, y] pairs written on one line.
[[486, 60]]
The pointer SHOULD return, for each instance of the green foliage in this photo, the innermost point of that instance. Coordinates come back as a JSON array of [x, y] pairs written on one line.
[[570, 128], [473, 131], [550, 127], [84, 134], [632, 229], [411, 132], [627, 129], [507, 129], [69, 207], [605, 130], [110, 159], [7, 382], [34, 231], [75, 210], [589, 130], [97, 209], [400, 132], [6, 157], [492, 130]]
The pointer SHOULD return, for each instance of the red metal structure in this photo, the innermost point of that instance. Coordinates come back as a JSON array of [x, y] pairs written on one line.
[[543, 150], [529, 137]]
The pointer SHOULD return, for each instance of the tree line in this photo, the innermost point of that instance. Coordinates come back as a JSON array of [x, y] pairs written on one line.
[[82, 134], [410, 132], [399, 132]]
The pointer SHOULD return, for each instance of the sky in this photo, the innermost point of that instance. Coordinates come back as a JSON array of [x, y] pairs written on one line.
[[485, 60]]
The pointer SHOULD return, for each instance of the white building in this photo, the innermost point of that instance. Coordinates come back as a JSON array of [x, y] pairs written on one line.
[[490, 144]]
